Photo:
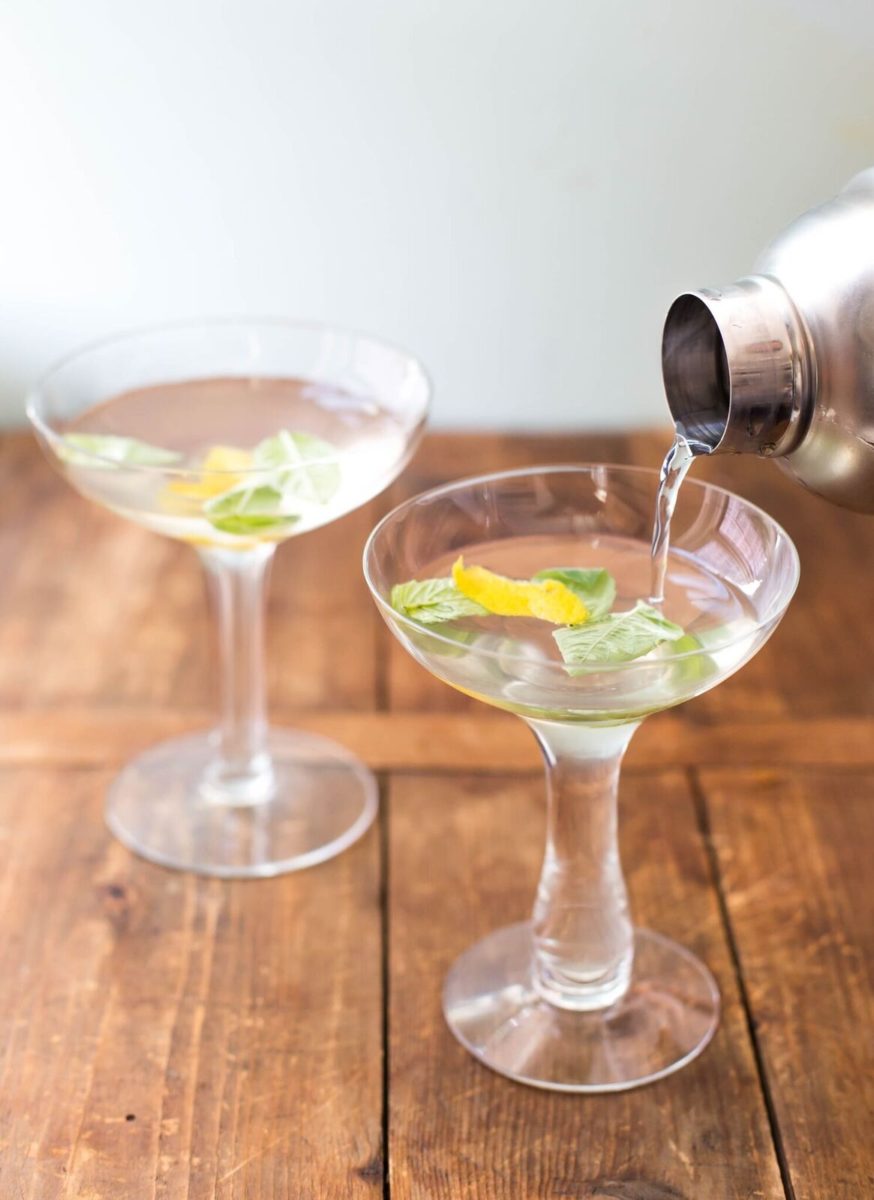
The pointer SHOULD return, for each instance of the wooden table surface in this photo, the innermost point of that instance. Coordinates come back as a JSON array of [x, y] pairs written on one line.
[[163, 1035]]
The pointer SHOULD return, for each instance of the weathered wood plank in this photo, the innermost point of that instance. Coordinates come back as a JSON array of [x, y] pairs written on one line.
[[464, 858], [439, 741], [795, 855], [239, 1023], [163, 1035]]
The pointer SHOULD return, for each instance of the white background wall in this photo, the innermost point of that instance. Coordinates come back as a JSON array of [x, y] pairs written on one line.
[[514, 189]]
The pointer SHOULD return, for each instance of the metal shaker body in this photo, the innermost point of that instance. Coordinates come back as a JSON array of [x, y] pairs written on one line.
[[781, 363]]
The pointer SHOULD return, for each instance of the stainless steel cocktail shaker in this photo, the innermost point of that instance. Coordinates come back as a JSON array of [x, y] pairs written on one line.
[[781, 363]]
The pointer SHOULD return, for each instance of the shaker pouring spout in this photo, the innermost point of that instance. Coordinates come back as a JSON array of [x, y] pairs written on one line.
[[781, 362], [736, 368]]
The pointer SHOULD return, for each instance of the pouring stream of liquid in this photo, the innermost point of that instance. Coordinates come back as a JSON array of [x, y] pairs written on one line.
[[677, 462]]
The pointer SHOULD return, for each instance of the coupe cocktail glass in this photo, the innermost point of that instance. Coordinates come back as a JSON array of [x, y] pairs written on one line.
[[577, 999], [159, 426]]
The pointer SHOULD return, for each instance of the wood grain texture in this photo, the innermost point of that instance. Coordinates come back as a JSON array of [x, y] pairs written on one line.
[[465, 853], [795, 858], [441, 741], [168, 1036], [239, 1025], [161, 1035]]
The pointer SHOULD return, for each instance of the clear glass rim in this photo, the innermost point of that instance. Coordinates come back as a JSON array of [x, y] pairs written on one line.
[[392, 615], [55, 439]]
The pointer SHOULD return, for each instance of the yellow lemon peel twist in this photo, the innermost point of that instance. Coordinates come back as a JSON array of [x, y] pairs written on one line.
[[547, 599], [218, 473]]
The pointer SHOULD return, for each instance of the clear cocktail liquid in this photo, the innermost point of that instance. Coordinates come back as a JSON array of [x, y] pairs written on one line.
[[512, 661], [192, 417], [675, 467]]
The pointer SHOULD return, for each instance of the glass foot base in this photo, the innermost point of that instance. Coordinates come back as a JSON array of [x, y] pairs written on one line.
[[323, 800], [666, 1018]]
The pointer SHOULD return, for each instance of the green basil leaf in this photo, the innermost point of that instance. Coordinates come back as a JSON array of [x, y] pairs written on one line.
[[432, 600], [616, 638], [77, 450], [248, 509], [301, 464]]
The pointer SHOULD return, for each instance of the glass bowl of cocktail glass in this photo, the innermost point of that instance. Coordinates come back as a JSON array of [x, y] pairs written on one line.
[[577, 999], [234, 435]]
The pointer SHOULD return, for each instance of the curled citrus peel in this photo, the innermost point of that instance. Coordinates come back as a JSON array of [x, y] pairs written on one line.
[[220, 470], [548, 599]]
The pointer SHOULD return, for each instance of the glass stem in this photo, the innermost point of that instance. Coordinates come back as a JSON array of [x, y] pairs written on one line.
[[583, 937], [236, 580]]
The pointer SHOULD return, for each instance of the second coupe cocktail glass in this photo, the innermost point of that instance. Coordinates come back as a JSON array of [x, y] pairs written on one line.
[[233, 436], [577, 999]]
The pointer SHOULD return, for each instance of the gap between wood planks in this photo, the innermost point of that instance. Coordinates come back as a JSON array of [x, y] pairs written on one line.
[[699, 798], [441, 741]]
